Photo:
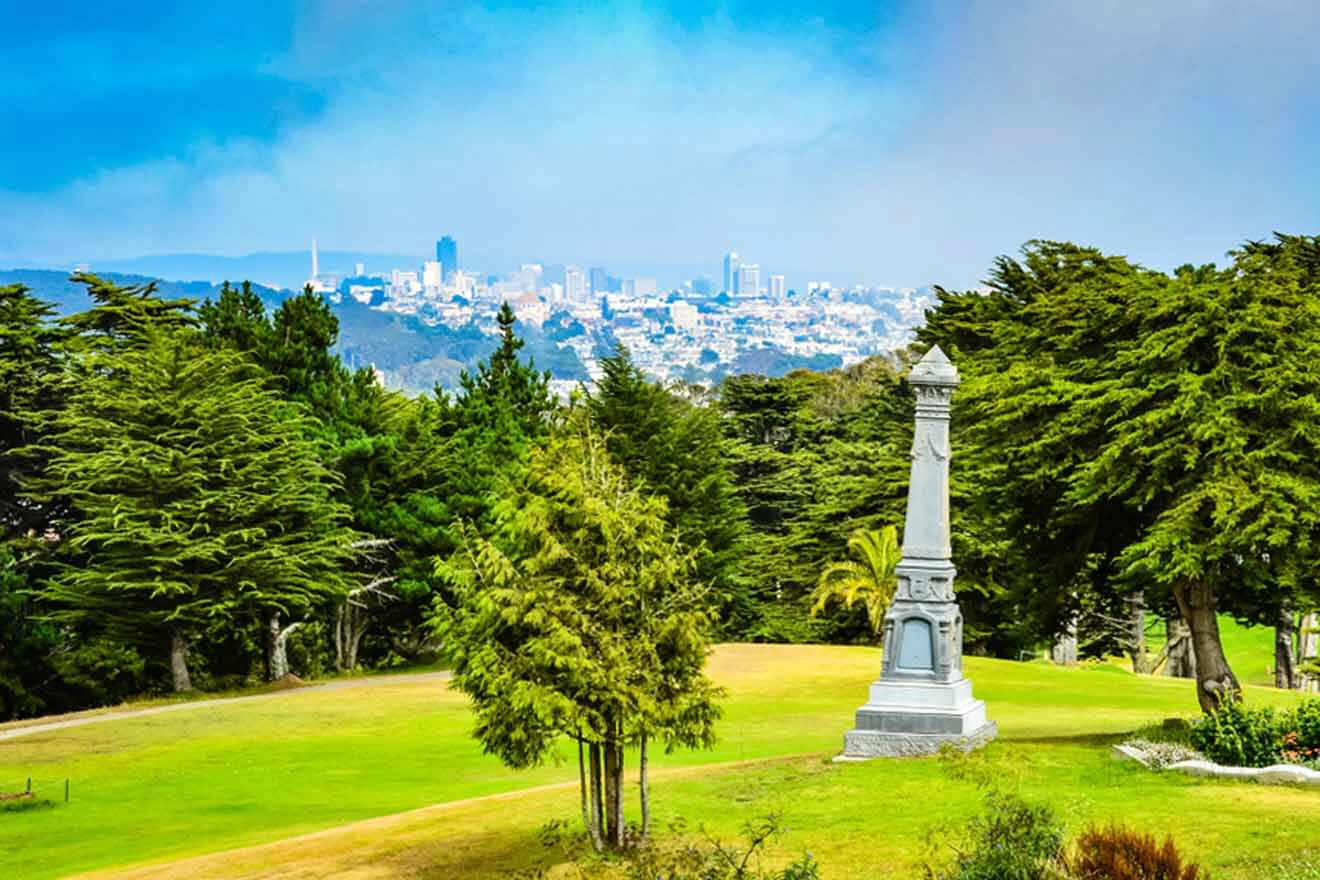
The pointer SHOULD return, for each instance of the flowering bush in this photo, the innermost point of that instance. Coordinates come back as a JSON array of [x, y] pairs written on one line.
[[1237, 736]]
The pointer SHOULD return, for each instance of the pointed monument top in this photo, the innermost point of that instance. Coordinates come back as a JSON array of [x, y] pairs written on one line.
[[934, 369]]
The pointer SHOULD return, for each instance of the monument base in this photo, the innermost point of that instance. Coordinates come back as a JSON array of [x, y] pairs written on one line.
[[911, 718]]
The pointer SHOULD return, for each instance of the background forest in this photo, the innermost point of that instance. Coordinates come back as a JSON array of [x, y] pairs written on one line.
[[201, 495]]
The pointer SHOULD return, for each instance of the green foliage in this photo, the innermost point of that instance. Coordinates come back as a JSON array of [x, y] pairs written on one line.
[[869, 577], [25, 643], [120, 315], [1135, 430], [1118, 853], [815, 457], [584, 611], [1238, 736], [581, 618], [1013, 839], [497, 415], [29, 372], [198, 495], [713, 859], [98, 671], [677, 449]]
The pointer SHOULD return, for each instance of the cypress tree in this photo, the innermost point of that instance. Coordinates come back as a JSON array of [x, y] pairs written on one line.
[[199, 498]]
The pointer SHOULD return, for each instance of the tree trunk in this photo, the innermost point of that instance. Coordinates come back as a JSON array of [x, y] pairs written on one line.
[[1064, 651], [619, 826], [1215, 681], [1308, 652], [645, 792], [1181, 662], [613, 833], [350, 627], [588, 819], [179, 662], [597, 802], [1137, 632], [277, 641], [1285, 666]]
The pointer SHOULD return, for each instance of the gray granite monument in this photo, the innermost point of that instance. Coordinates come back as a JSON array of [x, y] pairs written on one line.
[[922, 701]]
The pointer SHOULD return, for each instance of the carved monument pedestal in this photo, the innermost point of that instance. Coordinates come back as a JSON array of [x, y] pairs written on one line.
[[922, 701]]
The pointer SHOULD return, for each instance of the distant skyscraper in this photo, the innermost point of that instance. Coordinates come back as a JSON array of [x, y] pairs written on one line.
[[599, 280], [446, 251], [749, 279], [316, 264], [702, 285], [432, 277], [731, 272], [575, 285], [777, 288]]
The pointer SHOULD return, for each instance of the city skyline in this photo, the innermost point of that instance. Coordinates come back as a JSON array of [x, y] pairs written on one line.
[[885, 142]]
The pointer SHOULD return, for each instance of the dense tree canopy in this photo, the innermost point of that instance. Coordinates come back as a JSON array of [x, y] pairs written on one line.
[[1143, 431], [197, 496], [677, 449]]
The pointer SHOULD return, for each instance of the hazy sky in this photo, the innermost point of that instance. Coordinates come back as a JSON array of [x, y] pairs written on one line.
[[884, 143]]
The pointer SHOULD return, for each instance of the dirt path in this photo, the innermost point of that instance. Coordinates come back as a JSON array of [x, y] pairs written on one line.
[[28, 729]]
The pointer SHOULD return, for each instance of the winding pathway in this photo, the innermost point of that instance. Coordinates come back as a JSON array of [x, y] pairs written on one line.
[[119, 714]]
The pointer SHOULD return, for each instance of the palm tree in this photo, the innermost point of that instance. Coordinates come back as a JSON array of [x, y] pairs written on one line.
[[870, 579]]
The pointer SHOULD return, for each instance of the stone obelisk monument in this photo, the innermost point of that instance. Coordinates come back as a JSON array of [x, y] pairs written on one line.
[[922, 701]]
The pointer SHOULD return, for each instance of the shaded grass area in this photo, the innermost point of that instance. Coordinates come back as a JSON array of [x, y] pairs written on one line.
[[165, 787]]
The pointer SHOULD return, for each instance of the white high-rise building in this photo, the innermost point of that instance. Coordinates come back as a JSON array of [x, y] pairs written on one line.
[[433, 278], [531, 276], [575, 286], [749, 279], [731, 263], [777, 288]]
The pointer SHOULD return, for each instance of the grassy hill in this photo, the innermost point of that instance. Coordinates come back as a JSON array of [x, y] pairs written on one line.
[[161, 788]]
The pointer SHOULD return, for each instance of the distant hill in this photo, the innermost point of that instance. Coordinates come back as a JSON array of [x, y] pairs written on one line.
[[276, 270], [412, 355]]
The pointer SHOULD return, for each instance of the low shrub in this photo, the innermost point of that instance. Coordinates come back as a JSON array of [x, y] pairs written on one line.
[[716, 860], [1014, 839], [1118, 853], [1238, 736]]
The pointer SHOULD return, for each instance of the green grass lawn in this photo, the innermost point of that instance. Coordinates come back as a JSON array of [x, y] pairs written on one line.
[[158, 788]]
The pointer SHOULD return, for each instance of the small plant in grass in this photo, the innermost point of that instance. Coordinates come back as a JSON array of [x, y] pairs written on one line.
[[1012, 839], [1118, 853], [1299, 866], [716, 860]]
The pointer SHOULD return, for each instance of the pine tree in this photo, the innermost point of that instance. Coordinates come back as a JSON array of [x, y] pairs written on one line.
[[678, 450], [581, 619], [498, 415], [30, 370], [198, 498]]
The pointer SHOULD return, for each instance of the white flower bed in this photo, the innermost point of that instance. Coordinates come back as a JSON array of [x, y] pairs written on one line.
[[1181, 759]]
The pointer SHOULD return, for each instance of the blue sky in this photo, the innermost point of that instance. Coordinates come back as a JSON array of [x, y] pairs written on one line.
[[898, 143]]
